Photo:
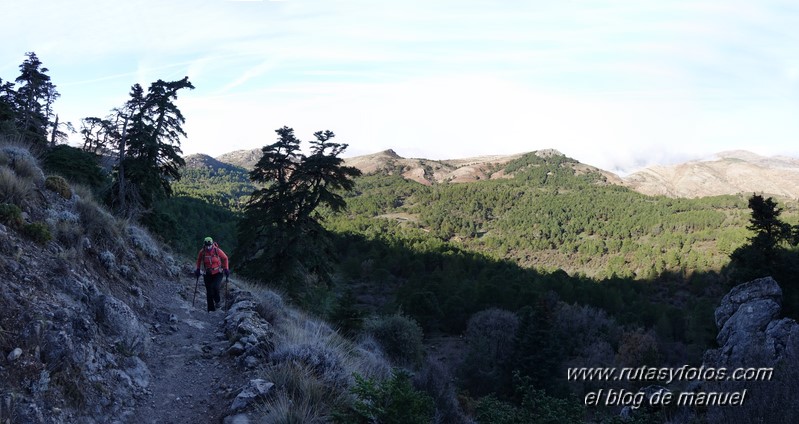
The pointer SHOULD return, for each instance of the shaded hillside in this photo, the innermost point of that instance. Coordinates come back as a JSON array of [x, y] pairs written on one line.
[[728, 173]]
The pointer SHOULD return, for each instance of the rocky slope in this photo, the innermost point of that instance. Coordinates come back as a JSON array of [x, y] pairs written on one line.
[[729, 173], [98, 322]]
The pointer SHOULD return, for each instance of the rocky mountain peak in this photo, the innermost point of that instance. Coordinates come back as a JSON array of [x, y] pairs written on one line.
[[730, 172], [548, 153]]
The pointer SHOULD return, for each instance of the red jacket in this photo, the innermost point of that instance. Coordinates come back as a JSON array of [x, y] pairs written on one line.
[[214, 260]]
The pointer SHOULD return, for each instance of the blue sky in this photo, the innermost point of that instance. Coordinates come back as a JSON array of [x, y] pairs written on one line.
[[617, 84]]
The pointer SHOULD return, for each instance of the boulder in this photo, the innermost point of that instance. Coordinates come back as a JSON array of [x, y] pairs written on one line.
[[750, 332], [255, 390]]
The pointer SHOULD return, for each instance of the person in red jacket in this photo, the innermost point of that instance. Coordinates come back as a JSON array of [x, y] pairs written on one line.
[[215, 263]]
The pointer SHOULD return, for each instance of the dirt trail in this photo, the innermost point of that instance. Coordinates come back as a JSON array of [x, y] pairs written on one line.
[[193, 380]]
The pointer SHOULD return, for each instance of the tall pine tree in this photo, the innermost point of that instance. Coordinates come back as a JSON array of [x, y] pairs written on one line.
[[149, 134], [280, 237], [33, 100]]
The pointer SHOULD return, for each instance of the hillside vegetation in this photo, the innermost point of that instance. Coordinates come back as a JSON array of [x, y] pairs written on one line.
[[550, 217]]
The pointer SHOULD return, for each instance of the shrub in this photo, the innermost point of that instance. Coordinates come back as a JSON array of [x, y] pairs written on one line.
[[11, 215], [23, 163], [76, 165], [638, 347], [300, 383], [14, 189], [400, 337], [491, 338], [393, 401], [101, 227], [437, 382], [346, 315], [536, 407], [325, 361], [141, 239], [270, 306], [59, 185], [38, 232], [65, 226]]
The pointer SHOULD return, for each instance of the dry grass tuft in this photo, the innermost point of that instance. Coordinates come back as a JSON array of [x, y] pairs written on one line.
[[282, 409], [101, 227], [22, 162], [312, 365], [15, 190]]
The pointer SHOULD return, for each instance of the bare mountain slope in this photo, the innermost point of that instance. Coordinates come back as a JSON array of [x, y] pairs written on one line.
[[729, 173], [426, 171]]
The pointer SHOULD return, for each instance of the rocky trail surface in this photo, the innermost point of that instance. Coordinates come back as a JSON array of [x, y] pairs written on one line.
[[193, 377]]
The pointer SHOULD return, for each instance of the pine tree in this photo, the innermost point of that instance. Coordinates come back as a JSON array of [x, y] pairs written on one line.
[[279, 235], [33, 100], [148, 146]]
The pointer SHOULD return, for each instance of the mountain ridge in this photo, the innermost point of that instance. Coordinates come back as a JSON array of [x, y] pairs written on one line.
[[725, 173]]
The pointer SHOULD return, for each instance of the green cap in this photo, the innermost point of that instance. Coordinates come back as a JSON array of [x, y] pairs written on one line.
[[208, 240]]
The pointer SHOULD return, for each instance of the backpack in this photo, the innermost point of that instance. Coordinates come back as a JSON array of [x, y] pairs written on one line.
[[214, 255]]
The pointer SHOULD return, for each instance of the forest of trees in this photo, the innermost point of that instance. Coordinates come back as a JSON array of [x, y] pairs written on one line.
[[139, 142]]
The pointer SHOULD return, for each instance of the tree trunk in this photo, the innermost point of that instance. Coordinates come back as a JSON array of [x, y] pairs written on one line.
[[55, 131], [121, 167]]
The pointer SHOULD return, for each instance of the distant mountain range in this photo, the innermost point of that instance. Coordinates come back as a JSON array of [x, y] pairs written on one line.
[[730, 172]]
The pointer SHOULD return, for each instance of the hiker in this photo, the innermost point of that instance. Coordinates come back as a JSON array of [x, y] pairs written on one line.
[[214, 260]]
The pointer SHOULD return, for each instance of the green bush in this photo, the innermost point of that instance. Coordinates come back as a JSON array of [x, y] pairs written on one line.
[[491, 336], [535, 407], [393, 401], [59, 185], [38, 232], [399, 336], [11, 215], [76, 165]]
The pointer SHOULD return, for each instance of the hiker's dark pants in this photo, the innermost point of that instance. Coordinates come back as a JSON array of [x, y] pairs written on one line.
[[212, 284]]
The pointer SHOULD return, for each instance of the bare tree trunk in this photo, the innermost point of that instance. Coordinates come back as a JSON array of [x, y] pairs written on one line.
[[121, 167], [55, 131]]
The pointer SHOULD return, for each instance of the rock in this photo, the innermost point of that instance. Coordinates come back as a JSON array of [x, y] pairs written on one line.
[[117, 317], [236, 419], [236, 349], [762, 288], [749, 332], [137, 371], [256, 390], [251, 362], [42, 385], [14, 355]]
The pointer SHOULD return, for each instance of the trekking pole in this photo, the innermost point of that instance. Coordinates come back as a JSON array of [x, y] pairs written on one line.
[[195, 291], [227, 294]]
